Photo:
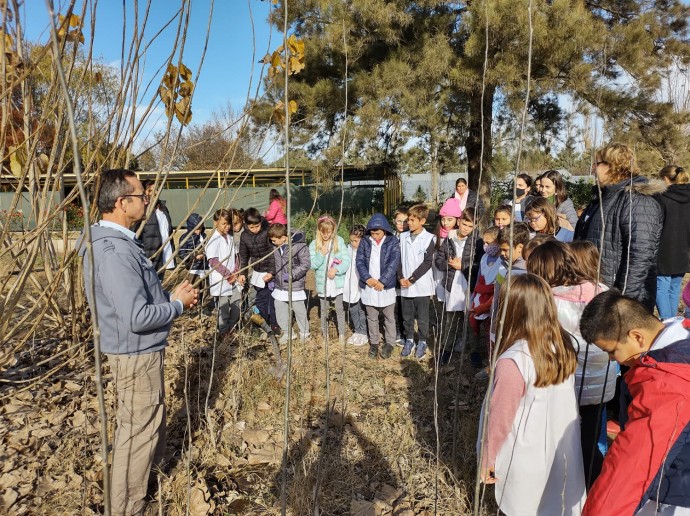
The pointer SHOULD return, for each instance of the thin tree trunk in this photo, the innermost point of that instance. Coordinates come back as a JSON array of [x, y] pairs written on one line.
[[473, 146]]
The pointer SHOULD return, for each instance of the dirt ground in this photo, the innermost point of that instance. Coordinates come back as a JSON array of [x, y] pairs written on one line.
[[380, 451]]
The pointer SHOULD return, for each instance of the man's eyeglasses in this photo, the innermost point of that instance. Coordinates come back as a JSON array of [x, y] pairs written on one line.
[[142, 196]]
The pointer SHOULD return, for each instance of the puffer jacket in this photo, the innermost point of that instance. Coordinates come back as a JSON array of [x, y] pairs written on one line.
[[567, 208], [300, 263], [635, 277], [151, 238], [390, 254], [591, 361], [320, 265], [446, 252], [191, 245], [674, 247], [253, 247]]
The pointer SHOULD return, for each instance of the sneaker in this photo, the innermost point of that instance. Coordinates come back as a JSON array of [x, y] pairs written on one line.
[[303, 337], [483, 375], [386, 351], [475, 360], [362, 340], [421, 349], [283, 340], [398, 341], [407, 348], [373, 351], [356, 340]]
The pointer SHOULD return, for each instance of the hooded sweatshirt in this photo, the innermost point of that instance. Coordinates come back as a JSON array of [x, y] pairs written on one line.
[[300, 263], [390, 253], [592, 363], [134, 312], [192, 244], [674, 246]]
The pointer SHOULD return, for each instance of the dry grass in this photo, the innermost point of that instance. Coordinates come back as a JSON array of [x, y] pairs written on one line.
[[377, 454]]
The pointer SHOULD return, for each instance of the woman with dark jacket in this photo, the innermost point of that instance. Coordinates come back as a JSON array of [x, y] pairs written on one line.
[[157, 230], [628, 232], [674, 248]]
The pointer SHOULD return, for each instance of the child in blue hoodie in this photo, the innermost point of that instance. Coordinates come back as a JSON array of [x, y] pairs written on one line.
[[192, 255], [378, 259]]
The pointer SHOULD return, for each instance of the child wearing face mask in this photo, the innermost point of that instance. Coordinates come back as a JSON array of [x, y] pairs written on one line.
[[483, 293]]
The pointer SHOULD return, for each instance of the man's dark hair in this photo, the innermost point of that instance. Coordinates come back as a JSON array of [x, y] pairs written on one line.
[[611, 315], [252, 216], [520, 234], [114, 184]]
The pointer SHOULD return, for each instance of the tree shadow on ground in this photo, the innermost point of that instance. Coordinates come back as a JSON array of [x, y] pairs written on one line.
[[345, 464]]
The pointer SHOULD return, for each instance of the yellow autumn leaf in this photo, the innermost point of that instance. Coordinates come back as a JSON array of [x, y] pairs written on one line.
[[185, 72], [276, 61], [74, 20], [292, 107], [295, 45], [186, 89], [266, 59], [183, 110], [296, 66], [9, 42]]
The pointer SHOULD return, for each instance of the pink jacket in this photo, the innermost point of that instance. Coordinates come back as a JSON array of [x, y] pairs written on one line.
[[276, 213]]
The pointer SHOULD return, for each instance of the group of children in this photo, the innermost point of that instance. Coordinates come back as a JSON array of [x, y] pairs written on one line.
[[549, 383]]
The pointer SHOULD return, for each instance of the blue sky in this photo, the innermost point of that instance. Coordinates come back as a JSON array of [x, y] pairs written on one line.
[[227, 69]]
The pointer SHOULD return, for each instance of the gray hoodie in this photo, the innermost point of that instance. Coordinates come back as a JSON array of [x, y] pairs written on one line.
[[134, 312]]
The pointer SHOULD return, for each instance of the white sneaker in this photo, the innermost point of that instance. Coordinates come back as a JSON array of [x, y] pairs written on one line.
[[303, 337], [362, 340], [353, 338]]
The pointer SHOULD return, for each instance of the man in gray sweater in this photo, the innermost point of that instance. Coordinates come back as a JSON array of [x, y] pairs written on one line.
[[134, 317]]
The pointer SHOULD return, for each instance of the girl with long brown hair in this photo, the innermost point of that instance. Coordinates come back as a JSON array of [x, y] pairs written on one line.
[[543, 219], [533, 452], [595, 378]]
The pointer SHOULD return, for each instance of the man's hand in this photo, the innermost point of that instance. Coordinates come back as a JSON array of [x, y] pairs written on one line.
[[185, 293], [405, 283], [331, 273], [241, 279]]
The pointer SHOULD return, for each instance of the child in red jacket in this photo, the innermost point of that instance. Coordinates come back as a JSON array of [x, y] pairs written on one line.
[[483, 294]]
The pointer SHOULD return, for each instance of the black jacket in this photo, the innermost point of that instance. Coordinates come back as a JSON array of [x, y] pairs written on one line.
[[636, 277], [674, 248], [446, 251], [191, 245], [151, 237], [253, 247]]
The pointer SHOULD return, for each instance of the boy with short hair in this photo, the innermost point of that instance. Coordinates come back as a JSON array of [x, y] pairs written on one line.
[[277, 233], [416, 279], [646, 469], [257, 250], [378, 258]]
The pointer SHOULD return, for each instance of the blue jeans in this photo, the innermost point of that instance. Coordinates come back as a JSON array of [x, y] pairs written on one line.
[[667, 295]]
